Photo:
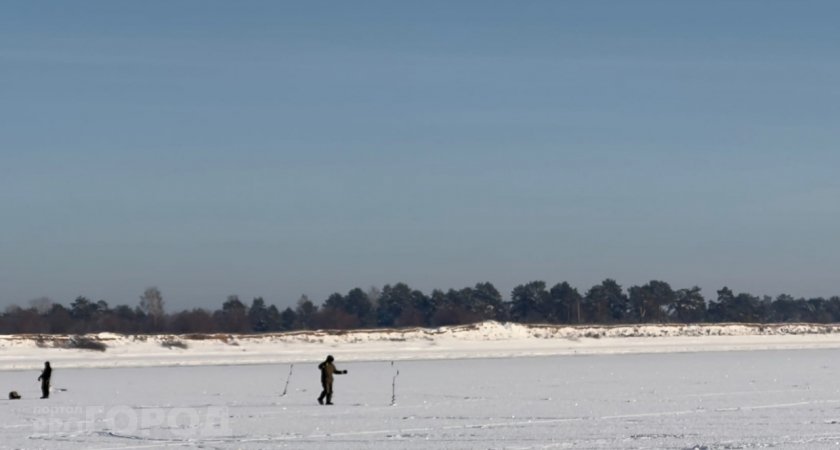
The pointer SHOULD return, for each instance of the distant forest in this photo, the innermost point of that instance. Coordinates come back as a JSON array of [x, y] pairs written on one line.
[[399, 305]]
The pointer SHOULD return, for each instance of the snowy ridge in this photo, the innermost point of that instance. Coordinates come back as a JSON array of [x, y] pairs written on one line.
[[481, 340]]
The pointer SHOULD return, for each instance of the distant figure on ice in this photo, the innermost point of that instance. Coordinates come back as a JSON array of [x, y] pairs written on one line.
[[327, 370], [45, 380]]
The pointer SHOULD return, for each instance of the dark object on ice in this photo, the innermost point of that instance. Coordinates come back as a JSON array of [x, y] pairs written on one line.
[[86, 343], [14, 395], [45, 380], [173, 343], [327, 370]]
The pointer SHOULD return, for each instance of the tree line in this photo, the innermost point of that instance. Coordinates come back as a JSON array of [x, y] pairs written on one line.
[[399, 305]]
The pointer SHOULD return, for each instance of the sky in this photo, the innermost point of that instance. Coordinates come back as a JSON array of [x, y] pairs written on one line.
[[276, 149]]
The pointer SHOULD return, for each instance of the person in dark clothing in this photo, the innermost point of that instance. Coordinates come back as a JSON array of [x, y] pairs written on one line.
[[327, 370], [45, 380]]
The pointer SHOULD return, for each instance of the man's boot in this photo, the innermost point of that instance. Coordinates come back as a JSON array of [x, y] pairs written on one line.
[[321, 398], [329, 399]]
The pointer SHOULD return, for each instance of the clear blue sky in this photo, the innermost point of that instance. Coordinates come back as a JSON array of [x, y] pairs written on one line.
[[276, 149]]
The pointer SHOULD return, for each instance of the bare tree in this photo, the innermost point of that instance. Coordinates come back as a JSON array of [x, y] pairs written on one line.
[[374, 293], [41, 304], [151, 302]]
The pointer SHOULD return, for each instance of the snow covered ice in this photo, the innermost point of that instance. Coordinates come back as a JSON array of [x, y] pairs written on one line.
[[745, 399], [475, 387]]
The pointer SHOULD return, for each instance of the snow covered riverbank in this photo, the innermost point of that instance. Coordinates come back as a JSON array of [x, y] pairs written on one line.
[[483, 340]]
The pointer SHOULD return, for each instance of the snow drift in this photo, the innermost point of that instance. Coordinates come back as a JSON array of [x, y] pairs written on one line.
[[481, 340]]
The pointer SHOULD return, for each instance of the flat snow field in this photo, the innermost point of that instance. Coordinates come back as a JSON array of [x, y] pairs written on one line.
[[749, 399]]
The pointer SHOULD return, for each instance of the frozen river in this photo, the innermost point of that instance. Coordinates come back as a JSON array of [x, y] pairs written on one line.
[[749, 399]]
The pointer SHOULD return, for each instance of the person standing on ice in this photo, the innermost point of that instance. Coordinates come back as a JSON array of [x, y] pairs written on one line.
[[327, 370], [45, 380]]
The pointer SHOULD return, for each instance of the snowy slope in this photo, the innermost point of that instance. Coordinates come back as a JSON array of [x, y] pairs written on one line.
[[483, 340]]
